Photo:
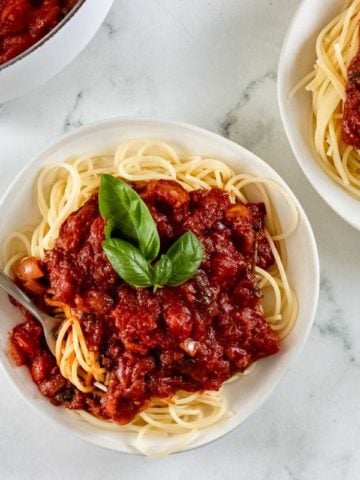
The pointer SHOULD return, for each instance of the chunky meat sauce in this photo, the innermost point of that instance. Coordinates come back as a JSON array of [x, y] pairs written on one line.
[[351, 114], [24, 22], [191, 337]]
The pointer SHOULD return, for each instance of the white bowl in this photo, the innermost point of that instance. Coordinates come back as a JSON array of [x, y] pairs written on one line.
[[296, 61], [245, 396], [54, 51]]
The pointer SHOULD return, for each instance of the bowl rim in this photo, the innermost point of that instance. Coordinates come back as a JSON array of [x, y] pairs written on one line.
[[318, 176], [52, 146], [45, 38]]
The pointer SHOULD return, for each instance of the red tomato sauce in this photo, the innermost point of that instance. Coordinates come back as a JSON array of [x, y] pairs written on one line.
[[351, 114], [191, 337], [24, 22]]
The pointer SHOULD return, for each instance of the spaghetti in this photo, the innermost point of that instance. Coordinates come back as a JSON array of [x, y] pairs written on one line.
[[63, 188], [336, 47]]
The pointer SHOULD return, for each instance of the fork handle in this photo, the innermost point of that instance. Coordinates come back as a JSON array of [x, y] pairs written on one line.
[[12, 289]]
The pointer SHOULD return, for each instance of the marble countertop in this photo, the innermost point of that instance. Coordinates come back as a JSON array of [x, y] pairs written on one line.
[[212, 63]]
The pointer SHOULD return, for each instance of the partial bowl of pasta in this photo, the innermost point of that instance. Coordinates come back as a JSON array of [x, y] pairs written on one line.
[[317, 94], [183, 271]]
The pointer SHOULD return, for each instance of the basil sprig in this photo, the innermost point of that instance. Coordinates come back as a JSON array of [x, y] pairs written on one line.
[[132, 240]]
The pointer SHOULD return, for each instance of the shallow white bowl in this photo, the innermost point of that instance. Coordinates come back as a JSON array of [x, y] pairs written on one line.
[[54, 51], [18, 207], [296, 61]]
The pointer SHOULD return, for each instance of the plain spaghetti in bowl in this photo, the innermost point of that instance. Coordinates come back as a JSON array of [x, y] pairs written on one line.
[[319, 98], [169, 282], [335, 88]]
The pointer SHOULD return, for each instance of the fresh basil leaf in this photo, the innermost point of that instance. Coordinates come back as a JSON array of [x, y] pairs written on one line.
[[186, 255], [108, 229], [128, 262], [162, 271], [127, 215]]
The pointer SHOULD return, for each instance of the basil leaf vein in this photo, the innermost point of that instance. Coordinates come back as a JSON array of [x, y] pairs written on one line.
[[186, 255], [128, 216], [162, 271], [128, 262]]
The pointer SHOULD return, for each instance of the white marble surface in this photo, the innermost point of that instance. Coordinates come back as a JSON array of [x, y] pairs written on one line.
[[212, 63]]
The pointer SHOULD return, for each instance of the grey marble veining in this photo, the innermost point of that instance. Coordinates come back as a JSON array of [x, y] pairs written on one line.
[[230, 127], [212, 63], [72, 120]]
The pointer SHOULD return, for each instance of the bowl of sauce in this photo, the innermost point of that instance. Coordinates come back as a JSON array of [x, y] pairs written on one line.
[[38, 38]]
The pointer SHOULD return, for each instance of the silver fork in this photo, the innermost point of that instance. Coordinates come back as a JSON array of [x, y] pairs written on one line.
[[49, 324]]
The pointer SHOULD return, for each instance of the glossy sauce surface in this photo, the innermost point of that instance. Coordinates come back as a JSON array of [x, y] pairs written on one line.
[[192, 337]]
